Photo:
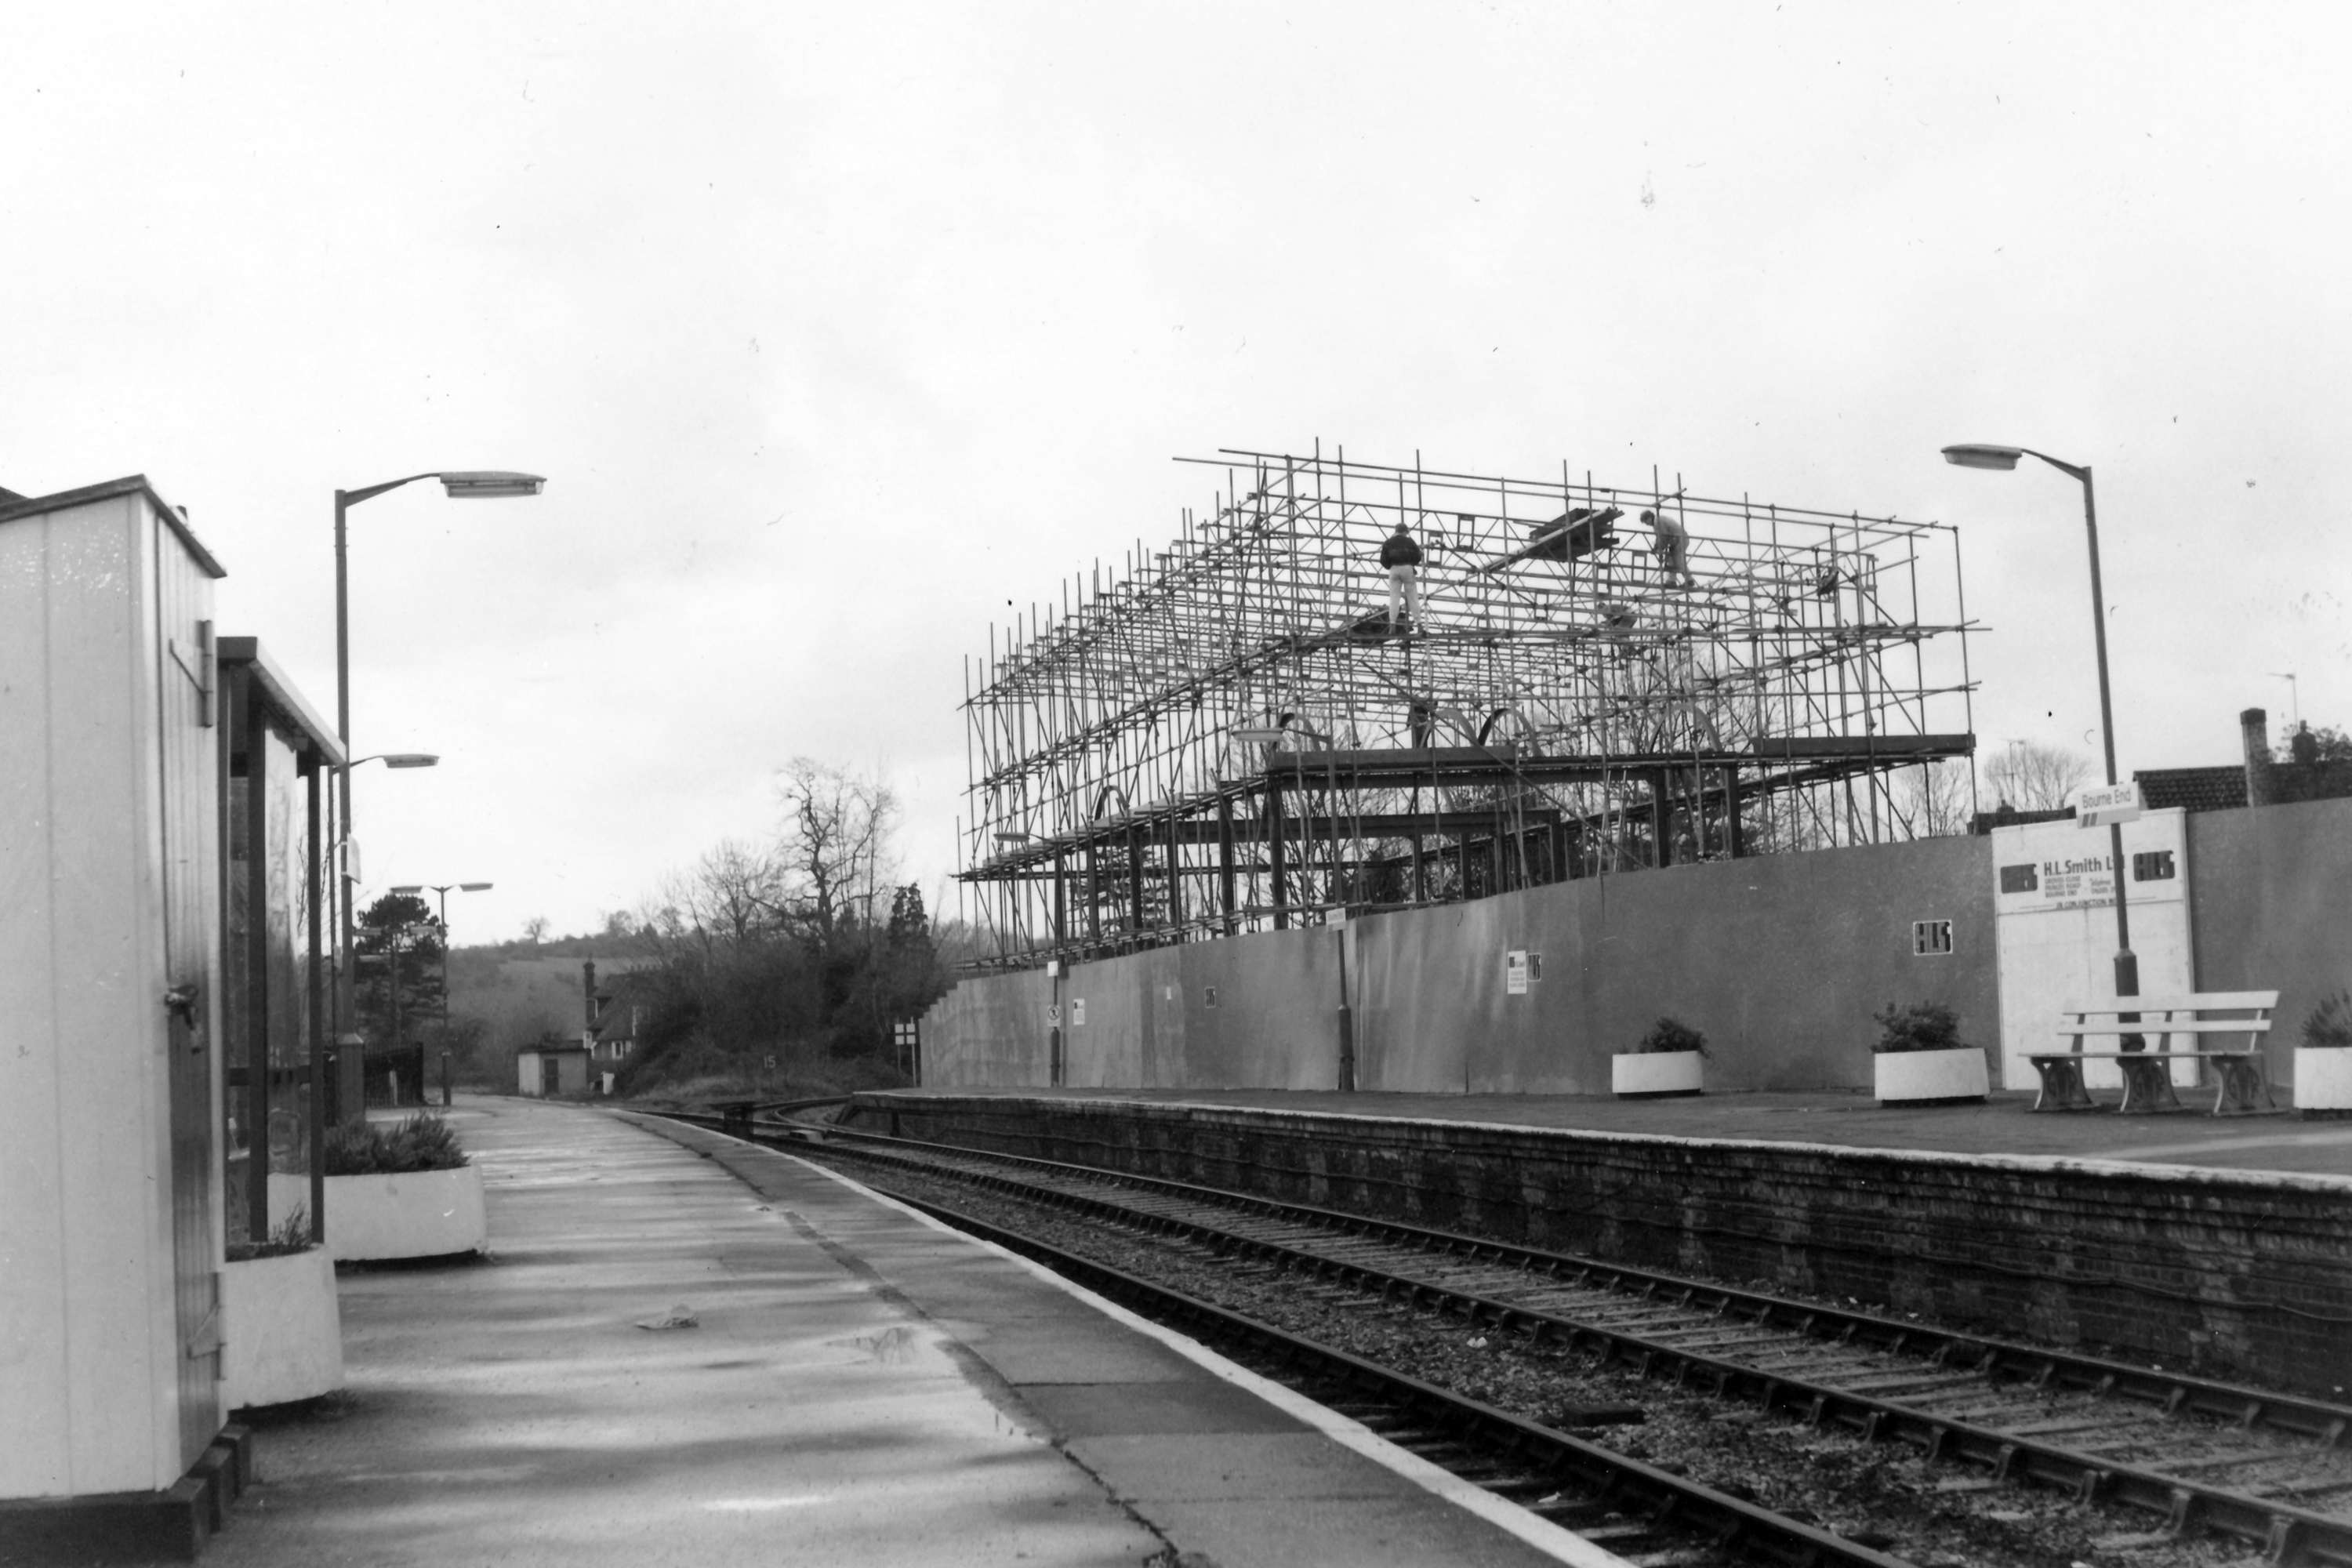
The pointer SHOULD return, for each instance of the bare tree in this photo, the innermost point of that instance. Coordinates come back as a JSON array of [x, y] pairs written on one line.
[[1933, 799], [733, 893], [534, 929], [2034, 777], [833, 855]]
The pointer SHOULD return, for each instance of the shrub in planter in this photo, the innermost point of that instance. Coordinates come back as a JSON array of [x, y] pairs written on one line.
[[401, 1190], [1918, 1026], [1669, 1034], [2323, 1057], [421, 1143], [289, 1236], [1919, 1058], [1665, 1061]]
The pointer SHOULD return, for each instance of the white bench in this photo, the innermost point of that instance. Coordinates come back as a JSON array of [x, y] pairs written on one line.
[[2240, 1088]]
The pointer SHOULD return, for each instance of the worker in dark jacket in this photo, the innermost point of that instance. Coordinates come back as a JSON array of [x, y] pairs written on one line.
[[1401, 556]]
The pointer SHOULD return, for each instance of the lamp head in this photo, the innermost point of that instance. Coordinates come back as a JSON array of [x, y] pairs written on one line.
[[411, 888], [1976, 455], [1258, 736], [410, 760], [473, 887], [489, 484]]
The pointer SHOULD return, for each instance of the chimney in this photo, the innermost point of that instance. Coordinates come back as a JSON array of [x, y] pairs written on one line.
[[588, 993], [2262, 787]]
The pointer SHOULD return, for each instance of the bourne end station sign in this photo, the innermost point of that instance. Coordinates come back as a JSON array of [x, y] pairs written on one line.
[[2104, 803]]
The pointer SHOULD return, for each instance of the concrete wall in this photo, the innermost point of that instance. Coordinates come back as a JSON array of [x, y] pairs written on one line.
[[1781, 961], [2235, 1274], [2270, 908]]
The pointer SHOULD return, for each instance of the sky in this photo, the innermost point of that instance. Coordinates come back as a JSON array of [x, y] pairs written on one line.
[[836, 329]]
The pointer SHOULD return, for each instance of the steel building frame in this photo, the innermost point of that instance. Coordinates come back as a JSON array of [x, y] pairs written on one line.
[[1232, 733]]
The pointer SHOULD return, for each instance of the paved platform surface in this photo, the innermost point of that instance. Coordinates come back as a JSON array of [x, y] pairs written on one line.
[[2005, 1124], [861, 1386]]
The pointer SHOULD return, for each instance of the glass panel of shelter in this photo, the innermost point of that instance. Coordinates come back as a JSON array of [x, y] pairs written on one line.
[[274, 942]]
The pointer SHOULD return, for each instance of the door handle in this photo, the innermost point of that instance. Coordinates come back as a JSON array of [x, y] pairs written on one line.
[[179, 1001]]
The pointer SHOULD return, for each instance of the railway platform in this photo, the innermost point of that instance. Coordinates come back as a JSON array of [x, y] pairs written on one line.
[[2218, 1243], [685, 1350], [2004, 1125]]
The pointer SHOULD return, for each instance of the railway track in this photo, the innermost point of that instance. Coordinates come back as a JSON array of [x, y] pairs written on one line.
[[2199, 1457]]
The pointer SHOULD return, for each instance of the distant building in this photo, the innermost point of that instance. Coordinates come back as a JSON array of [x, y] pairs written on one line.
[[2257, 779], [552, 1068], [613, 1018]]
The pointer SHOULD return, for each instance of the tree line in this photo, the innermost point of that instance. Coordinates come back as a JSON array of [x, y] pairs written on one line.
[[787, 962]]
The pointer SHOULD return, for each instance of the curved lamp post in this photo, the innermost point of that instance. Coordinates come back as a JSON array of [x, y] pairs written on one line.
[[458, 484], [1979, 456]]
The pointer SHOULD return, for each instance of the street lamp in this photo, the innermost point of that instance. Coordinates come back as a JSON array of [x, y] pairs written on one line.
[[458, 484], [440, 891], [1979, 456], [346, 870]]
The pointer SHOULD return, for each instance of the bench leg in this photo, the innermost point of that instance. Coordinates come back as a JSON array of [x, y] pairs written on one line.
[[2240, 1081], [2062, 1085], [2147, 1084]]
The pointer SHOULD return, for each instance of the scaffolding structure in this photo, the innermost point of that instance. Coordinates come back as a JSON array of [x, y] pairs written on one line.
[[1241, 730]]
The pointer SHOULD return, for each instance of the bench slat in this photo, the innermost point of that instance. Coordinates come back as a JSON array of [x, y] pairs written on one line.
[[2143, 1055], [2207, 1000], [2172, 1026]]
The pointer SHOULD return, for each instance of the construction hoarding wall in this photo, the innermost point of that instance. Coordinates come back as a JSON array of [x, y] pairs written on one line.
[[1258, 1012], [1779, 960], [2270, 908]]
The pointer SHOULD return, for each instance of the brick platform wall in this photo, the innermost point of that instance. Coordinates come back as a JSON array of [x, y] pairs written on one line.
[[2237, 1275]]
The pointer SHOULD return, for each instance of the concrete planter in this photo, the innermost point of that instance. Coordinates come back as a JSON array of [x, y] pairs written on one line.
[[1645, 1075], [420, 1214], [2322, 1077], [1929, 1077], [281, 1330]]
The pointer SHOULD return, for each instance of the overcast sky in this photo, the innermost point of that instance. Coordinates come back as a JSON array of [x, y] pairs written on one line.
[[836, 327]]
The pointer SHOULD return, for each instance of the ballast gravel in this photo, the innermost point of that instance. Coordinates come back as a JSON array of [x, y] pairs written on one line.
[[1881, 1495]]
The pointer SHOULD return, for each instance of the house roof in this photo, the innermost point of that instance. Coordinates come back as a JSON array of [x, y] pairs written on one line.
[[1984, 822], [2192, 789]]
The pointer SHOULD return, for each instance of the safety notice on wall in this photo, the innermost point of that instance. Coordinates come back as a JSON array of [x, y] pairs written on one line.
[[1514, 972]]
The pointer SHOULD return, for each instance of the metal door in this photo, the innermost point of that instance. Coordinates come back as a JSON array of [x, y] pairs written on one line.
[[188, 784], [550, 1075]]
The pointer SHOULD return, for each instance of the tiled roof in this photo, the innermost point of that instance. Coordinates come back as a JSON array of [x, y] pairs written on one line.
[[2193, 789], [1984, 822]]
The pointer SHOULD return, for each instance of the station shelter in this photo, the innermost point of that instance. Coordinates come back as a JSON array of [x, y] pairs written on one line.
[[163, 960]]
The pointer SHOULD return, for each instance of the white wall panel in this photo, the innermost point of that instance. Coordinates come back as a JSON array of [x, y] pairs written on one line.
[[2057, 935]]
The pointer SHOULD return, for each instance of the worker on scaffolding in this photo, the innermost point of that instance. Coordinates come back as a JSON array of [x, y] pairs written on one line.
[[1401, 556], [1673, 548]]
